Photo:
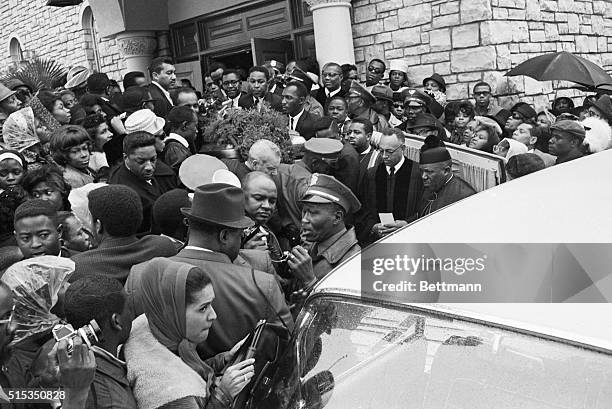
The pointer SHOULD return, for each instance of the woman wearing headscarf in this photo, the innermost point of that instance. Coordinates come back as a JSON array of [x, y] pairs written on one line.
[[163, 365], [509, 147], [20, 133]]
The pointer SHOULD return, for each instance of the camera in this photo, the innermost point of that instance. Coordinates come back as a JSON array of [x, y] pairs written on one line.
[[88, 333]]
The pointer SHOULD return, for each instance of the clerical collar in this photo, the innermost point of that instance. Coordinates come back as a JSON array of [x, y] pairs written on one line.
[[198, 248], [397, 166]]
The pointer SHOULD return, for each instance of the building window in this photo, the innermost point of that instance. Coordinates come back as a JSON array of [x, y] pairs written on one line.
[[92, 39], [15, 51]]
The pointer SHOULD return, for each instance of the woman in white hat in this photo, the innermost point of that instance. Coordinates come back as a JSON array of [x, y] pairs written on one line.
[[398, 75]]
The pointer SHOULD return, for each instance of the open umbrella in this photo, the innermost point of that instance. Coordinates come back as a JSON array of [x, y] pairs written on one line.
[[563, 66]]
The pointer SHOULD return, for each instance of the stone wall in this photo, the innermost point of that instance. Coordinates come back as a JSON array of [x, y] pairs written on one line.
[[467, 41], [56, 33]]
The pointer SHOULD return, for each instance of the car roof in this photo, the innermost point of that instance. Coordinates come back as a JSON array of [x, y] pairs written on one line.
[[567, 203]]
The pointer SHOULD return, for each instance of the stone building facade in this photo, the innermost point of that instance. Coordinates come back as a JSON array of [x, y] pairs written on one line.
[[467, 41], [63, 34]]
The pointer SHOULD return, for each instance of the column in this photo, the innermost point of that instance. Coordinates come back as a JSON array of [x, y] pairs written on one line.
[[332, 30], [163, 44], [137, 49]]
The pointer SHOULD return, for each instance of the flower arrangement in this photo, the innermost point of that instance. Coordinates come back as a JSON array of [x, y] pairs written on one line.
[[240, 128]]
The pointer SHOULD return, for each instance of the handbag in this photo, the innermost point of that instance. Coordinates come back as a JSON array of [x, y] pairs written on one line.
[[266, 343]]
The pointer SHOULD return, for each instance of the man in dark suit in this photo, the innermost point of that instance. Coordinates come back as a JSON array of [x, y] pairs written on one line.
[[163, 76], [332, 83], [394, 186], [359, 135], [301, 123], [232, 86], [141, 171], [258, 80], [116, 213], [243, 296]]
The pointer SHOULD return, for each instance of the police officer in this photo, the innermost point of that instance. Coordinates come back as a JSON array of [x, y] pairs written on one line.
[[326, 238]]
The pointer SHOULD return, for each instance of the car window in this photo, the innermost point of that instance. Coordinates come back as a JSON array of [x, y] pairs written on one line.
[[350, 354]]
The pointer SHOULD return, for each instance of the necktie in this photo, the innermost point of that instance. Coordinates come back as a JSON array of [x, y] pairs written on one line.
[[390, 189], [291, 123]]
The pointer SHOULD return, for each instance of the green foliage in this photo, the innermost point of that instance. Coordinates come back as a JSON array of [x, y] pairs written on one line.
[[39, 73], [242, 127]]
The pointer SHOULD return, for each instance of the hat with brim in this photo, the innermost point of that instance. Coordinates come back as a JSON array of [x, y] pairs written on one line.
[[358, 90], [200, 169], [415, 96], [16, 83], [568, 126], [5, 92], [382, 92], [438, 79], [604, 104], [144, 120], [218, 204], [325, 189], [524, 109], [77, 76], [424, 120]]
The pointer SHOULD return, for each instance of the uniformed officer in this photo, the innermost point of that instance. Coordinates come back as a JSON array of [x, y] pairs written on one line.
[[324, 232], [360, 102]]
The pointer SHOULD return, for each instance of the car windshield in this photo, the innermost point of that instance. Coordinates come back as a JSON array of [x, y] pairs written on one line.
[[351, 354]]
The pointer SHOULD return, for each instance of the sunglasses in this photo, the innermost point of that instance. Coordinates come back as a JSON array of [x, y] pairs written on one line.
[[375, 70]]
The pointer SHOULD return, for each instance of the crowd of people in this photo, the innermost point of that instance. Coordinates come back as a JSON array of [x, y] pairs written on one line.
[[115, 222]]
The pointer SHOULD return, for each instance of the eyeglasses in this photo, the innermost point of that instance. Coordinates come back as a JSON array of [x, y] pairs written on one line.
[[516, 116], [375, 70], [481, 93], [9, 320], [230, 83], [386, 152], [330, 74]]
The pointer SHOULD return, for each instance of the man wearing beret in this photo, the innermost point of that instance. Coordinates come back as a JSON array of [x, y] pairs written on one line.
[[320, 156], [360, 102], [324, 233], [442, 188], [567, 138]]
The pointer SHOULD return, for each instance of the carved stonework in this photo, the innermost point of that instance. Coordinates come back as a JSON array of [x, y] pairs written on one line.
[[313, 3], [136, 46]]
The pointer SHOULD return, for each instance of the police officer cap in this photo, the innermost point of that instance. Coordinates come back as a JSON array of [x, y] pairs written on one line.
[[327, 189], [414, 95], [323, 146], [358, 90]]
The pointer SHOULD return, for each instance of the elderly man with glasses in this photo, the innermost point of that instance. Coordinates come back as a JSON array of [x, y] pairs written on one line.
[[390, 191]]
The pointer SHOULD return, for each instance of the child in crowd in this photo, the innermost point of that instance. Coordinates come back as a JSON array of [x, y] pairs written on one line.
[[47, 183]]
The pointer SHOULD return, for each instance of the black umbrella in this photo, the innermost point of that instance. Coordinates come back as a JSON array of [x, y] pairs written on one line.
[[563, 66]]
